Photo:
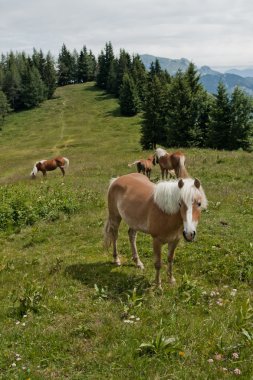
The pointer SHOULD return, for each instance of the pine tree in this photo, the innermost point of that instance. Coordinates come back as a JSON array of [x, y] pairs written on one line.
[[32, 87], [66, 67], [178, 117], [241, 120], [123, 67], [220, 120], [49, 76], [4, 107], [140, 77], [105, 60], [11, 83], [152, 130], [129, 101]]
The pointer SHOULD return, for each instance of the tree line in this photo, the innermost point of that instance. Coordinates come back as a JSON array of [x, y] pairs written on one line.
[[177, 110]]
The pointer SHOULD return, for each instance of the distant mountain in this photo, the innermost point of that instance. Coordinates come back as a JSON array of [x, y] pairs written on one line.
[[210, 82], [171, 65], [208, 77], [241, 72]]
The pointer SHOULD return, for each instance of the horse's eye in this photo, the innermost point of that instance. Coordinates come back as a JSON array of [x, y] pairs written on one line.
[[199, 204]]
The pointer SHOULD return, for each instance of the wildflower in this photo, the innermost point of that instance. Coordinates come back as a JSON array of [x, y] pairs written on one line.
[[23, 324], [181, 353], [219, 302], [210, 360], [233, 292], [224, 369], [235, 355], [218, 357], [237, 371], [17, 322], [14, 365]]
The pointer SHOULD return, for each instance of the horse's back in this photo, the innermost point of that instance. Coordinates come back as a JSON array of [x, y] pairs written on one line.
[[129, 196]]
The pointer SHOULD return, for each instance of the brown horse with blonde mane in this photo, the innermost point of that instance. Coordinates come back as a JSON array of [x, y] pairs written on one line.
[[144, 166], [48, 165], [165, 211], [167, 162]]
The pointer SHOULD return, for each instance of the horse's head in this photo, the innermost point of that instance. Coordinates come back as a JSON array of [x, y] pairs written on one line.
[[192, 200]]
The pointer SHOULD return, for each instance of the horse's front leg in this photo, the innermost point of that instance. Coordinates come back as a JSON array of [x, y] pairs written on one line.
[[132, 238], [63, 171], [157, 250], [44, 172], [171, 250]]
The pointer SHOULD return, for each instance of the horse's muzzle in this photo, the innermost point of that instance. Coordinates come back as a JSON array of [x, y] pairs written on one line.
[[189, 236]]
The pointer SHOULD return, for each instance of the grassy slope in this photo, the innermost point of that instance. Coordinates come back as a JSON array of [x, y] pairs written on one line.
[[77, 335]]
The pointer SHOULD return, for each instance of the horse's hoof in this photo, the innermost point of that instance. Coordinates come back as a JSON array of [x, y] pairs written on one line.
[[172, 281], [117, 263], [140, 266]]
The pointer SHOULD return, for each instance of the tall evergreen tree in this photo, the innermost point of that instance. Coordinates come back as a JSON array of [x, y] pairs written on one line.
[[12, 82], [220, 120], [241, 120], [152, 130], [32, 87], [4, 107], [178, 117], [140, 77], [129, 101], [66, 67], [49, 76]]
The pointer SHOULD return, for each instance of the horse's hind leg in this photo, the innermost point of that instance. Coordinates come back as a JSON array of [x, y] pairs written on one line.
[[132, 238], [111, 236]]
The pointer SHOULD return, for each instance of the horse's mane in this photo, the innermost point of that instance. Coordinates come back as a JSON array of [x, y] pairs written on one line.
[[160, 152], [167, 195]]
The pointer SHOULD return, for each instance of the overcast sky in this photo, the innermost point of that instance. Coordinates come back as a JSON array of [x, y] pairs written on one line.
[[207, 32]]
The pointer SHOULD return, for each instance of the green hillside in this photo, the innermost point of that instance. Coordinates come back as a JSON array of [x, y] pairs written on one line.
[[65, 311]]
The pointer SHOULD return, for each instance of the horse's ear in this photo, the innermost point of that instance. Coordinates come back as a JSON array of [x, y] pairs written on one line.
[[180, 183], [197, 183]]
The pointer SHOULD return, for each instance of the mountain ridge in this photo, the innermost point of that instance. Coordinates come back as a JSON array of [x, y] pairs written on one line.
[[208, 77]]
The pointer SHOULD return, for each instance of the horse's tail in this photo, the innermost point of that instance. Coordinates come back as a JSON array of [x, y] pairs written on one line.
[[133, 163], [66, 162], [181, 171]]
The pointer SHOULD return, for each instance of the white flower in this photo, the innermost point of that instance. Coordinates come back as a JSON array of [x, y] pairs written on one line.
[[14, 365], [235, 355], [237, 371], [210, 360]]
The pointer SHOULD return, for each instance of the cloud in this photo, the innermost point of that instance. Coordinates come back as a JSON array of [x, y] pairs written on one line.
[[204, 31]]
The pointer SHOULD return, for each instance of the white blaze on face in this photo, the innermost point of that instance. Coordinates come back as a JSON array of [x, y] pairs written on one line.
[[189, 225], [34, 171]]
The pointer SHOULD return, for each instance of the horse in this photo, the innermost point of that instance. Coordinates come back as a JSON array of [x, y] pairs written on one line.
[[174, 161], [144, 166], [165, 211], [47, 165]]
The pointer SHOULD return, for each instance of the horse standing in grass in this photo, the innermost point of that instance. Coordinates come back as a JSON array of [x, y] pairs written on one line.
[[144, 166], [165, 211], [48, 165], [174, 161]]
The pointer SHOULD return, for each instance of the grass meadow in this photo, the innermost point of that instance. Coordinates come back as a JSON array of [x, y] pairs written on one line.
[[65, 311]]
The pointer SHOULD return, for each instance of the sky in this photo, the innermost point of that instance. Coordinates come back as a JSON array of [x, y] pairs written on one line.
[[216, 33]]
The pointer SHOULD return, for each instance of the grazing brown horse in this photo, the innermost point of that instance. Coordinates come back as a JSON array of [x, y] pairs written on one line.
[[47, 165], [174, 161], [165, 211], [144, 166]]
